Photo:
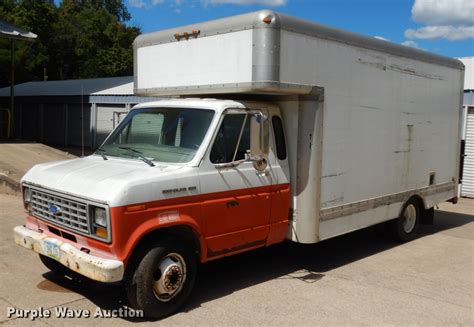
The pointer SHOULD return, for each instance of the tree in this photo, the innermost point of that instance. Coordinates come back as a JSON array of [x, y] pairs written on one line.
[[30, 57], [77, 39]]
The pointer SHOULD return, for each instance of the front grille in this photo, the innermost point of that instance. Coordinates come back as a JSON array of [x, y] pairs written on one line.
[[70, 213]]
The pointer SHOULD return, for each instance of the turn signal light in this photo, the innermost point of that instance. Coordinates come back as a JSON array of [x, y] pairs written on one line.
[[101, 232], [136, 208]]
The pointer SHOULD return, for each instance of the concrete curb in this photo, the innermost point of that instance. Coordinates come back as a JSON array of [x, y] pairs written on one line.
[[9, 185]]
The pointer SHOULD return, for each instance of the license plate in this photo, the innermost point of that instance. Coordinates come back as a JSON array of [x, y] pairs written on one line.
[[52, 250]]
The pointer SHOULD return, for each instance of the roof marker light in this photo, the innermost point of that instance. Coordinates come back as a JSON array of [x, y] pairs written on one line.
[[186, 35], [268, 19]]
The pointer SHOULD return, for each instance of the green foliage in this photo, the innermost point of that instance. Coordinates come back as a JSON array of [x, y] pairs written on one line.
[[77, 39]]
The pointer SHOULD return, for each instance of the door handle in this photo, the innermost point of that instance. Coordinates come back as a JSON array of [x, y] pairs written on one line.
[[232, 203]]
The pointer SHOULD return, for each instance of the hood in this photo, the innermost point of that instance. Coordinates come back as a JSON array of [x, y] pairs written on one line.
[[115, 181]]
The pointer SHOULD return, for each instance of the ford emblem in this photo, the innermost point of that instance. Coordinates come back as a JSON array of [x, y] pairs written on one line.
[[54, 209]]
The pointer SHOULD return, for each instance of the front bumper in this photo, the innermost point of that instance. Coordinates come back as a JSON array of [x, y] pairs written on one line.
[[96, 268]]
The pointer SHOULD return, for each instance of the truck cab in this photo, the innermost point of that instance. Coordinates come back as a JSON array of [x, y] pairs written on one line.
[[197, 179]]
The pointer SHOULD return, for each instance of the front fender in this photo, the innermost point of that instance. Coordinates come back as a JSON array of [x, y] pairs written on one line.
[[128, 228]]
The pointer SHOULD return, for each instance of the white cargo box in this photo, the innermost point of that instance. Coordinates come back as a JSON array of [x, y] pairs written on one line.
[[251, 53], [368, 123]]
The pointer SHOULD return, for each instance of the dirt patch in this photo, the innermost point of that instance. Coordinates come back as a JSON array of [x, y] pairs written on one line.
[[8, 185], [17, 158]]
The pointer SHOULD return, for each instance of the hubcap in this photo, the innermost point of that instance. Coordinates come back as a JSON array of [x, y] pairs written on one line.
[[409, 220], [169, 277]]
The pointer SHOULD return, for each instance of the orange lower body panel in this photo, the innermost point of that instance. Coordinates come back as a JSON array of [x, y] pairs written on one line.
[[225, 223]]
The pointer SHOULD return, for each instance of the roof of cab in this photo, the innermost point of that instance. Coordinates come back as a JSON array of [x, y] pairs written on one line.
[[198, 103]]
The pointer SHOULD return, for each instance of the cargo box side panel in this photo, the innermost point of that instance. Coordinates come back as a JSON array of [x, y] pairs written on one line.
[[196, 62], [390, 123]]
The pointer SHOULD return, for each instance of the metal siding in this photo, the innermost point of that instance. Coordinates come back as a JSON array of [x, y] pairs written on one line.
[[105, 120], [30, 122], [75, 125], [468, 72], [78, 87], [53, 124], [121, 99], [17, 119], [468, 98], [467, 188]]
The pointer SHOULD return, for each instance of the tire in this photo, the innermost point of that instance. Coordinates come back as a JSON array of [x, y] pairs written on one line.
[[162, 280], [55, 266], [405, 227]]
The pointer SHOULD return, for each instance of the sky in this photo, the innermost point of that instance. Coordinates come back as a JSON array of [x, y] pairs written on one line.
[[444, 27]]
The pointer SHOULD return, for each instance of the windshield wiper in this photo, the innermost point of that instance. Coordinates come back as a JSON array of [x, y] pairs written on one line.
[[139, 155], [102, 155]]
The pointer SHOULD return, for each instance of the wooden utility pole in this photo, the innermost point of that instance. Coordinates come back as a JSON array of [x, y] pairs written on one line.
[[12, 86]]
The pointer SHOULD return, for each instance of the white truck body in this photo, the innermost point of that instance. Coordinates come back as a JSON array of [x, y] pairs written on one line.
[[368, 123], [312, 133]]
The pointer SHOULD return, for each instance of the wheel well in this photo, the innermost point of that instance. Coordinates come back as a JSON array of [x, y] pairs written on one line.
[[184, 234], [427, 215], [419, 200]]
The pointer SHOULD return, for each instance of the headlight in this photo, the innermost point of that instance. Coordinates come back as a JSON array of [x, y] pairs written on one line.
[[26, 195], [100, 217], [99, 222]]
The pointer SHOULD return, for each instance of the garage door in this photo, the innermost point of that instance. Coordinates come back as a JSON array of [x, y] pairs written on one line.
[[467, 188], [107, 119]]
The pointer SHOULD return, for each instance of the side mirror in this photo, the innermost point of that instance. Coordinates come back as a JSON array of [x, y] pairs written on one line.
[[259, 140]]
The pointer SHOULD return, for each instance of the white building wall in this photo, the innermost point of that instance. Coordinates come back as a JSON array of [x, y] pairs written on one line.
[[468, 73], [467, 187]]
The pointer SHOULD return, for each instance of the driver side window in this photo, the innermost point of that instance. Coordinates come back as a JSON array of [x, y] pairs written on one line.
[[233, 128]]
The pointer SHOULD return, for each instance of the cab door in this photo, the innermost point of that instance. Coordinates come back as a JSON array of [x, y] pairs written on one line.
[[236, 196]]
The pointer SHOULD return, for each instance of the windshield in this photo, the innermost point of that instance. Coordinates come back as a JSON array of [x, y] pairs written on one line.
[[163, 134]]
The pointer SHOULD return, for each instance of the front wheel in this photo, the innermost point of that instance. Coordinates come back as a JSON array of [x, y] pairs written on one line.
[[405, 227], [163, 280], [55, 266]]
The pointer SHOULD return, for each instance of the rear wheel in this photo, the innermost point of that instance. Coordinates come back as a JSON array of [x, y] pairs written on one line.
[[405, 227], [163, 280]]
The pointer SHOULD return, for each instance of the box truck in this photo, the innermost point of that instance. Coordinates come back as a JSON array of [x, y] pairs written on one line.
[[270, 128]]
